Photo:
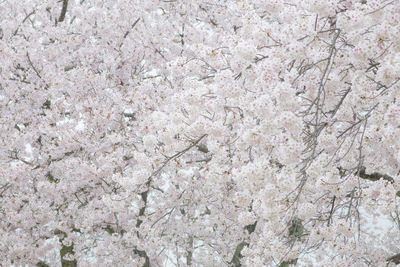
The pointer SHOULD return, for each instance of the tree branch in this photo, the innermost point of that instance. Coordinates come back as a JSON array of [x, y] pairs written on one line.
[[395, 259], [63, 11], [375, 176]]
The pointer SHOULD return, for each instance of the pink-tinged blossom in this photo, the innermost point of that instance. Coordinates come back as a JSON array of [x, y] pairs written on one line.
[[199, 133]]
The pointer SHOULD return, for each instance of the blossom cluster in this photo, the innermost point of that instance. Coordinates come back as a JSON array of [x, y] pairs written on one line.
[[199, 133]]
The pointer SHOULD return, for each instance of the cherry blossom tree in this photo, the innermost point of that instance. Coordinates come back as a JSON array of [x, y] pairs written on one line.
[[199, 133]]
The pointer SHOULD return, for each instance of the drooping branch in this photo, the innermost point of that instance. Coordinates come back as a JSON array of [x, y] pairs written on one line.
[[128, 31], [314, 110], [26, 17], [33, 67], [144, 194], [176, 155]]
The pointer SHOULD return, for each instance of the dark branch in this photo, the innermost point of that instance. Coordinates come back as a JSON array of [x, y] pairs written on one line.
[[63, 11], [395, 259], [33, 67], [375, 176], [143, 254]]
